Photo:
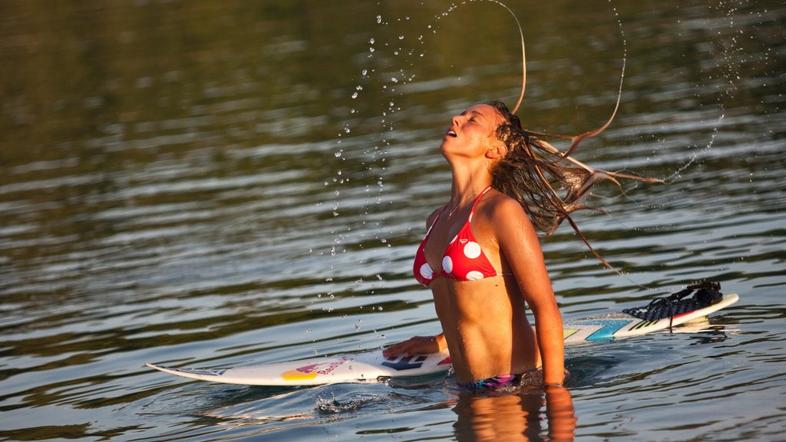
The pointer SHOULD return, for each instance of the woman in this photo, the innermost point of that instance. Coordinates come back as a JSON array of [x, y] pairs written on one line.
[[481, 256]]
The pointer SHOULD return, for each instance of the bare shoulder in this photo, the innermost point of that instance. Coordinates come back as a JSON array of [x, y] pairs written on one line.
[[501, 208], [505, 214]]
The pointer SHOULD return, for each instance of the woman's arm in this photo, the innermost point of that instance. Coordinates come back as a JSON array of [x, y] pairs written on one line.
[[520, 245]]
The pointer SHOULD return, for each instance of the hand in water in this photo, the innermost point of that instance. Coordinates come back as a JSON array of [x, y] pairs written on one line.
[[417, 345]]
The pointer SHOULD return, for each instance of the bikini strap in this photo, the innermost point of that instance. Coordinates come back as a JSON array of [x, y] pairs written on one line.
[[428, 232], [475, 203]]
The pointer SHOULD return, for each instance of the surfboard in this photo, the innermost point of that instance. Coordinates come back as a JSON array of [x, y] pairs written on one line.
[[372, 366]]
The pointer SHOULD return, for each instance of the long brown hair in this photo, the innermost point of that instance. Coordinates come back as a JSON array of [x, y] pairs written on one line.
[[548, 183]]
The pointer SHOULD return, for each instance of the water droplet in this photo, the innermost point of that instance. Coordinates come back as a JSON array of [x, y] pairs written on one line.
[[400, 37], [371, 40], [379, 19], [354, 95]]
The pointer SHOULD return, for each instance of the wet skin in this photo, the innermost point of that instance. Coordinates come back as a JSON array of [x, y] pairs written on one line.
[[484, 324]]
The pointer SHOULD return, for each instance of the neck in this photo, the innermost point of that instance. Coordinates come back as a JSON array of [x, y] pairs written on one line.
[[468, 182]]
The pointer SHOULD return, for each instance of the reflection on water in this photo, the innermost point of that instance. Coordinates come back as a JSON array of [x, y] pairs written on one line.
[[202, 183], [516, 416]]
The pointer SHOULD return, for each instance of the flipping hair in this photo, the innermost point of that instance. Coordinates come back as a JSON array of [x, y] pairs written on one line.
[[548, 183]]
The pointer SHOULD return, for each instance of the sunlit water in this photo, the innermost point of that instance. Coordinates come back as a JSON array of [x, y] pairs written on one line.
[[212, 184]]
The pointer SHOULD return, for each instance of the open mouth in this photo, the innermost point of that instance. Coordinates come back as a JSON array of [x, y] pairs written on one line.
[[451, 133]]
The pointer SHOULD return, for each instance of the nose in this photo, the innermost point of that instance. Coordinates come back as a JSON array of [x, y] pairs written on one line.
[[455, 120]]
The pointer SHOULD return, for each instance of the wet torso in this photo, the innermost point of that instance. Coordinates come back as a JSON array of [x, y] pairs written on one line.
[[484, 321]]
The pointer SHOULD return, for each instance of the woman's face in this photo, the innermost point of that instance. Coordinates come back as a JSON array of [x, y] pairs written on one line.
[[472, 132]]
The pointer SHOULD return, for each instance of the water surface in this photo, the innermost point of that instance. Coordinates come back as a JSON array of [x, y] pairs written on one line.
[[212, 184]]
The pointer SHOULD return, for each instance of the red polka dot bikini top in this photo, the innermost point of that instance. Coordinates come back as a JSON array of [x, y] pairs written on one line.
[[463, 260]]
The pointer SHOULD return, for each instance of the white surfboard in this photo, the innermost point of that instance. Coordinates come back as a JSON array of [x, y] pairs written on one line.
[[372, 366]]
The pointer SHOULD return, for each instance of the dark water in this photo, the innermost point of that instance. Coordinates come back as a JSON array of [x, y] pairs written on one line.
[[195, 183]]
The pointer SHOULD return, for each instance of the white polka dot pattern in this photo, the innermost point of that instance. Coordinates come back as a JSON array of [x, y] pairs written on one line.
[[474, 275], [472, 250], [447, 264], [426, 272]]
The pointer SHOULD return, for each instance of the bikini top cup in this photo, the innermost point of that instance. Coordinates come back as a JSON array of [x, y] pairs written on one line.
[[463, 259]]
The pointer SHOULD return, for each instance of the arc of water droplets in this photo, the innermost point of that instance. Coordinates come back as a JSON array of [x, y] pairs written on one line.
[[671, 178]]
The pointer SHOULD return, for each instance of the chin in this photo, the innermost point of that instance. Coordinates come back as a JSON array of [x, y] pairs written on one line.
[[447, 150]]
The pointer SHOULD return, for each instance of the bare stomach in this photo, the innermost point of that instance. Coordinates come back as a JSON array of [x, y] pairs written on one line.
[[486, 327]]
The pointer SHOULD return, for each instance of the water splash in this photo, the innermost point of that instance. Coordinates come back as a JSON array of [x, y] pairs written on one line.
[[335, 406], [678, 173], [730, 70]]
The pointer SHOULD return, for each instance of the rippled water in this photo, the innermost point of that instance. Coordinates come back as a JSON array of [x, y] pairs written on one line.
[[194, 183]]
